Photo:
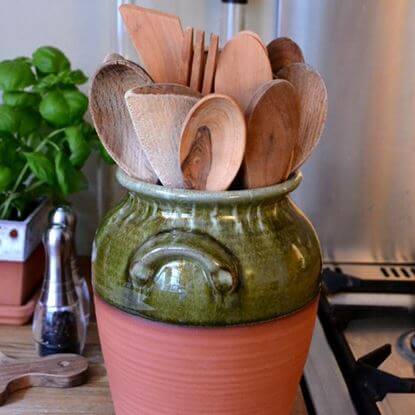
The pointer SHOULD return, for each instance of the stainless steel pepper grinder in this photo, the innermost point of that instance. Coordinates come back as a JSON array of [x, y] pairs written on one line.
[[65, 216], [59, 323]]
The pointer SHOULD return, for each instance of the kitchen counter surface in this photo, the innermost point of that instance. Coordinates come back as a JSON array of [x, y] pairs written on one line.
[[92, 398]]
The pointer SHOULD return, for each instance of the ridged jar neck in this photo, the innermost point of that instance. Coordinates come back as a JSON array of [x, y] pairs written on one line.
[[195, 197]]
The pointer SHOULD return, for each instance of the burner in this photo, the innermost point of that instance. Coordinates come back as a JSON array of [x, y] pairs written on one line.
[[406, 345]]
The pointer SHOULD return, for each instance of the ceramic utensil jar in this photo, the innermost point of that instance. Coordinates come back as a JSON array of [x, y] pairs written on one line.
[[205, 301]]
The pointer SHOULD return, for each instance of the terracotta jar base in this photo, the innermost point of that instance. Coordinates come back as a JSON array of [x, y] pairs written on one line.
[[161, 369]]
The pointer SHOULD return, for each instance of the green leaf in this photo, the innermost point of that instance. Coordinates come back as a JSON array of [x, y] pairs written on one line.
[[78, 103], [79, 147], [15, 75], [70, 180], [76, 77], [29, 121], [6, 178], [9, 120], [41, 167], [63, 108], [104, 154], [48, 59], [10, 154], [21, 99]]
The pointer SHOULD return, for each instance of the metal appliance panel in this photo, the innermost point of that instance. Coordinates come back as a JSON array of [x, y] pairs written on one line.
[[358, 187]]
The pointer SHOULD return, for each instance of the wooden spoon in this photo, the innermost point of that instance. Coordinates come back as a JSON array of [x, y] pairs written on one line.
[[158, 39], [210, 66], [157, 112], [243, 66], [282, 52], [186, 57], [198, 63], [111, 118], [212, 143], [273, 121], [255, 36], [312, 96], [56, 371]]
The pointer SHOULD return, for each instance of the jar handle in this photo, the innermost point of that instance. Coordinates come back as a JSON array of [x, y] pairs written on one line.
[[219, 265]]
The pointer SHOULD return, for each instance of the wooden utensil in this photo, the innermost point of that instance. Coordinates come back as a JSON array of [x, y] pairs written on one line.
[[255, 36], [186, 57], [210, 66], [111, 118], [243, 66], [312, 96], [198, 63], [282, 52], [273, 121], [158, 39], [56, 371], [212, 143], [157, 112]]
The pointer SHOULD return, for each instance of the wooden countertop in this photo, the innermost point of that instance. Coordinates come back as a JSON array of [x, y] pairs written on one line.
[[93, 398]]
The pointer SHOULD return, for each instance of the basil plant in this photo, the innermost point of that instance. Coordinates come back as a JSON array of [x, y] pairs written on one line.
[[44, 140]]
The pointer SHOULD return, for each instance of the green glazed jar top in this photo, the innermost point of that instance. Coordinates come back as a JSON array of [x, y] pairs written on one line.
[[207, 258]]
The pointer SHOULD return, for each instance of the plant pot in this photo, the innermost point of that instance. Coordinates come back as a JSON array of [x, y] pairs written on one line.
[[22, 256], [231, 280]]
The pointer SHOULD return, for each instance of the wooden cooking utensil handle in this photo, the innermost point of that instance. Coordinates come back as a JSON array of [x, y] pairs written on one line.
[[56, 371]]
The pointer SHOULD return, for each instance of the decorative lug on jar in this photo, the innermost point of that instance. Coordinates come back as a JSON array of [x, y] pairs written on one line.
[[205, 301]]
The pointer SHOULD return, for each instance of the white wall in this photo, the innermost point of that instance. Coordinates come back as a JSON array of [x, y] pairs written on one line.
[[86, 31]]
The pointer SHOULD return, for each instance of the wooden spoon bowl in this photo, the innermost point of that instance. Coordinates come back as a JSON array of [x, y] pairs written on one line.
[[111, 118], [212, 143], [157, 112]]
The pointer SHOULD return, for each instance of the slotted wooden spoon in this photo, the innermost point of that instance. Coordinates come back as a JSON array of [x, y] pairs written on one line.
[[212, 143], [243, 66], [111, 118], [312, 96], [157, 112], [273, 121]]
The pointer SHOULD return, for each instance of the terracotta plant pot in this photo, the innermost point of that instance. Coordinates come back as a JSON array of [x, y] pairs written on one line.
[[20, 280], [231, 280]]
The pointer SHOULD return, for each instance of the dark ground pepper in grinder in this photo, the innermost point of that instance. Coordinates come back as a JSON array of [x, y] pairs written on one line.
[[59, 334]]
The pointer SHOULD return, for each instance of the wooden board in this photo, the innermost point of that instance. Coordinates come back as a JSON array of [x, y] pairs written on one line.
[[158, 39]]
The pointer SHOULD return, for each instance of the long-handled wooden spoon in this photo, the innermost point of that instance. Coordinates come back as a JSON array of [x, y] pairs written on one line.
[[212, 143], [158, 39], [282, 52], [243, 66], [157, 112], [273, 121], [312, 96], [111, 118]]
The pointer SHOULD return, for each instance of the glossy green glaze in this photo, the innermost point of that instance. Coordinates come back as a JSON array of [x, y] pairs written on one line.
[[207, 258]]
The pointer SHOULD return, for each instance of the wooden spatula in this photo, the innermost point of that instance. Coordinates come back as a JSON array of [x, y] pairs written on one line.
[[157, 112], [111, 118], [282, 52], [312, 96], [243, 66], [198, 63], [186, 57], [273, 119], [158, 39], [212, 143], [56, 371], [210, 65]]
